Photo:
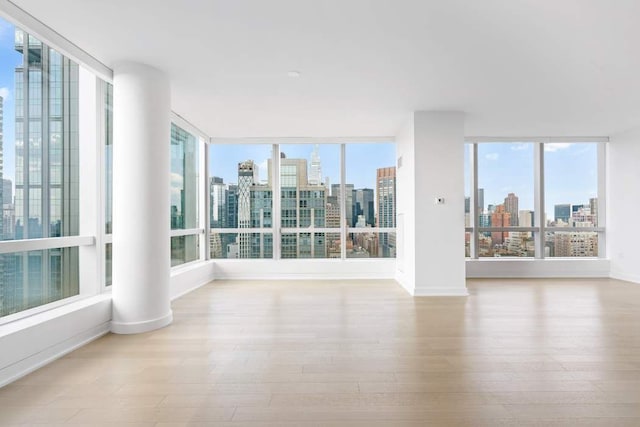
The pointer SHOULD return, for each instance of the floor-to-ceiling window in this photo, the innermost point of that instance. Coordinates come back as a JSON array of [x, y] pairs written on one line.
[[534, 198], [185, 234], [302, 200], [39, 172]]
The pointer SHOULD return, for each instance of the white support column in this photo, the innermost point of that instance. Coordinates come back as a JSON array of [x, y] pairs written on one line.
[[432, 150], [141, 182]]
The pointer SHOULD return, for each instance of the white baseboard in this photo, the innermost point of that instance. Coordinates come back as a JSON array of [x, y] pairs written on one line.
[[491, 268], [190, 278], [625, 277], [440, 292], [29, 343], [26, 366], [299, 269]]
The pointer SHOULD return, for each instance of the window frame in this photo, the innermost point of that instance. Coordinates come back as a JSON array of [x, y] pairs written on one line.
[[538, 231], [203, 201], [277, 230]]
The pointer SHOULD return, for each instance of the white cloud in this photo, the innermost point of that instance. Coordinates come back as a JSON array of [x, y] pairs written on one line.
[[557, 146], [519, 147], [492, 156], [5, 93]]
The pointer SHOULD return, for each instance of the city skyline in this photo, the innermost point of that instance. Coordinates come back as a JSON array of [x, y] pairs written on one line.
[[221, 165], [571, 173], [306, 203]]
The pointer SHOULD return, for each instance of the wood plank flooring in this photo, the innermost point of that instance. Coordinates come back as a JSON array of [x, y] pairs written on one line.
[[357, 353]]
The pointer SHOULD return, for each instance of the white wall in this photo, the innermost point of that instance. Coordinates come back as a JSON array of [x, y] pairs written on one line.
[[321, 269], [30, 343], [623, 194], [536, 268], [432, 149], [405, 206]]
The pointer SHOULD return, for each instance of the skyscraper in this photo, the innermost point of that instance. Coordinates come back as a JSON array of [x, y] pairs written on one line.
[[365, 205], [349, 206], [500, 218], [386, 196], [303, 205], [315, 171], [217, 202], [480, 203], [511, 207], [47, 179], [593, 205], [247, 177], [562, 213]]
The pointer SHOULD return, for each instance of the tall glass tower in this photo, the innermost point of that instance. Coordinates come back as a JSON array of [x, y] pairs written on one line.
[[46, 167], [386, 195]]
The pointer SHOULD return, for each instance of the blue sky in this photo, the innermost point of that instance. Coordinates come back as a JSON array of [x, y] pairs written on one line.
[[362, 160], [571, 173], [9, 59]]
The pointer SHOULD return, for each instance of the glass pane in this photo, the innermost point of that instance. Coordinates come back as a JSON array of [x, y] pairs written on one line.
[[505, 184], [108, 154], [310, 198], [467, 185], [371, 185], [184, 179], [38, 139], [30, 279], [232, 245], [240, 186], [310, 187], [571, 184], [310, 245], [571, 244], [467, 244], [108, 268], [371, 245], [184, 249]]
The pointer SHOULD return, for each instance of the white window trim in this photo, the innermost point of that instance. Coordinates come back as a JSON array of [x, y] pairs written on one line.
[[538, 231], [277, 230]]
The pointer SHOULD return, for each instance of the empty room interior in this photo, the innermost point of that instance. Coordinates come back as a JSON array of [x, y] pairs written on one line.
[[319, 213]]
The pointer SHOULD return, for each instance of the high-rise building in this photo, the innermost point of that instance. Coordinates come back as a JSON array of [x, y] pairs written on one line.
[[8, 212], [511, 207], [365, 205], [232, 206], [576, 244], [467, 205], [593, 204], [480, 203], [315, 171], [303, 205], [349, 204], [525, 218], [500, 218], [562, 212], [217, 202], [46, 179], [386, 196], [247, 177]]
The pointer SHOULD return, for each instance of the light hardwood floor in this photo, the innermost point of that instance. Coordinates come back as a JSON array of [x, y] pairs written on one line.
[[358, 353]]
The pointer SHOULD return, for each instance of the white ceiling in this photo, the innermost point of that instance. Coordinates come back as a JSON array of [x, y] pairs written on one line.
[[517, 67]]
